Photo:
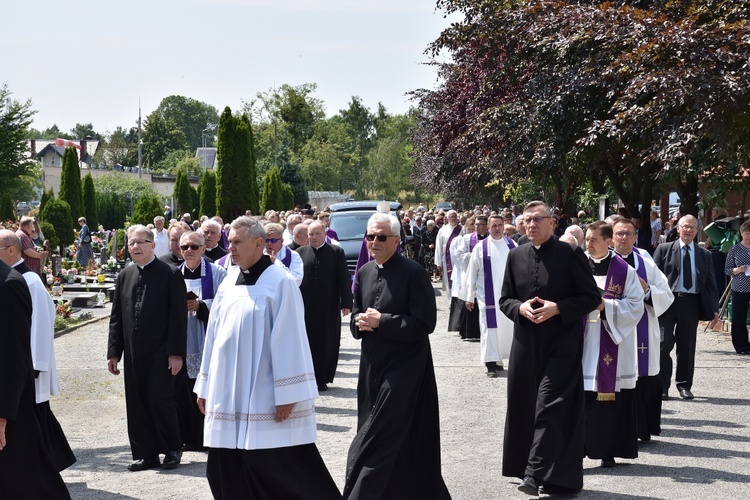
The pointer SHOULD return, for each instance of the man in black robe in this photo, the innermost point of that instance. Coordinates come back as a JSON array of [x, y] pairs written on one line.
[[26, 470], [396, 452], [547, 291], [149, 324], [175, 230], [326, 292], [212, 232]]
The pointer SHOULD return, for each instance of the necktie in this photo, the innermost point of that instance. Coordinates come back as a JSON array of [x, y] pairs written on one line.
[[687, 270]]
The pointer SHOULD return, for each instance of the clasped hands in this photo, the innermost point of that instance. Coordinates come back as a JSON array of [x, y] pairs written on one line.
[[538, 310], [368, 320]]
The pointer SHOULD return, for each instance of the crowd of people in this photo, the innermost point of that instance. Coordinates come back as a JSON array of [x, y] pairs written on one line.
[[229, 332]]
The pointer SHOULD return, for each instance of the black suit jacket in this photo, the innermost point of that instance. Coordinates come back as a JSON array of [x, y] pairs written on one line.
[[668, 259]]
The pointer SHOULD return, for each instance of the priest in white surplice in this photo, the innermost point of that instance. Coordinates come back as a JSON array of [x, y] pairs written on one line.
[[282, 255], [257, 385], [658, 297], [444, 263], [610, 366], [484, 281]]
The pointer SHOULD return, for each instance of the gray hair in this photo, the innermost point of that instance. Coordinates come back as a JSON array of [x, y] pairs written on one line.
[[292, 218], [142, 230], [389, 219], [158, 218], [211, 223], [250, 226], [274, 228], [200, 236], [10, 239]]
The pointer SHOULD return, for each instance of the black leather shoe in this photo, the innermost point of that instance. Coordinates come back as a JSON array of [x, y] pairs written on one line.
[[608, 462], [529, 486], [664, 396], [685, 393], [172, 459], [492, 374], [144, 464], [322, 388]]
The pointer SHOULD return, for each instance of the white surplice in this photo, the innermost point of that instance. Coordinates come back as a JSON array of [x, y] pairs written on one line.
[[661, 299], [46, 384], [442, 250], [622, 317], [196, 331], [257, 357], [494, 342], [296, 269]]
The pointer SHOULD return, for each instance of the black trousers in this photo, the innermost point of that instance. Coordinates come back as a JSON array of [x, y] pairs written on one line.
[[680, 324], [740, 302]]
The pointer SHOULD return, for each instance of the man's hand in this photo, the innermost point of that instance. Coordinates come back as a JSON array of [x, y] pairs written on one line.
[[112, 365], [469, 306], [345, 311], [3, 422], [174, 364], [644, 284], [538, 310], [201, 405], [283, 412], [714, 321], [272, 256], [439, 268], [193, 305], [368, 320], [600, 307]]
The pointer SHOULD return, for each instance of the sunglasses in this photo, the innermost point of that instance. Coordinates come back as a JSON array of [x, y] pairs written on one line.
[[380, 237], [272, 241], [191, 247]]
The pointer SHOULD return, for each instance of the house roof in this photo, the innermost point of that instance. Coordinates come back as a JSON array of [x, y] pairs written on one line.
[[206, 157], [46, 146]]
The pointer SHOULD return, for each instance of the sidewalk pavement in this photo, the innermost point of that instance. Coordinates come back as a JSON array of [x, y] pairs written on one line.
[[702, 453]]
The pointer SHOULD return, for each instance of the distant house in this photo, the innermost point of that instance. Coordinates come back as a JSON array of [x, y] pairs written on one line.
[[206, 157], [50, 155]]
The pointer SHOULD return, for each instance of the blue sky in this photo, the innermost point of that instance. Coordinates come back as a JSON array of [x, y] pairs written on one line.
[[90, 62]]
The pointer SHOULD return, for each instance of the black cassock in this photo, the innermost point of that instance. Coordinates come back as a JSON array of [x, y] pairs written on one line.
[[26, 470], [149, 323], [544, 426], [396, 452], [326, 288]]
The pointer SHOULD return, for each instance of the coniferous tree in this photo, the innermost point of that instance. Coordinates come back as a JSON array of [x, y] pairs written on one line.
[[6, 208], [273, 196], [47, 195], [288, 196], [245, 135], [236, 182], [208, 193], [57, 213], [182, 194], [110, 208], [146, 209], [70, 184], [89, 203]]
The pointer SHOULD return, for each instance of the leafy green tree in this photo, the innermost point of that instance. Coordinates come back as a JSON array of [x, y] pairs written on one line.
[[70, 184], [190, 165], [82, 130], [15, 118], [192, 117], [272, 197], [146, 208], [110, 207], [47, 195], [7, 211], [288, 197], [121, 148], [236, 181], [290, 174], [359, 123], [208, 193], [89, 202], [182, 193], [57, 213], [49, 233], [160, 136], [122, 185]]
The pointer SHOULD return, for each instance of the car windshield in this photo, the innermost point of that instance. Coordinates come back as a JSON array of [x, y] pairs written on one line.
[[350, 226]]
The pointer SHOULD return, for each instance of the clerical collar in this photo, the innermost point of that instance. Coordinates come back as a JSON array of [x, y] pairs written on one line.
[[20, 261], [250, 276], [599, 261], [209, 249], [482, 236], [318, 248], [189, 271], [624, 255], [153, 258]]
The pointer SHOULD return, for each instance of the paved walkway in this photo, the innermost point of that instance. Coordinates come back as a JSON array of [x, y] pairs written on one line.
[[703, 451]]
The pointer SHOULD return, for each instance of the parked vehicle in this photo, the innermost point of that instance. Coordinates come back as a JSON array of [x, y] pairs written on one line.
[[349, 220]]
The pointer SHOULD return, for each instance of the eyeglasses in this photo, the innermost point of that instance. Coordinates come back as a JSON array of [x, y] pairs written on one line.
[[622, 234], [688, 228], [380, 237], [138, 242], [3, 248], [191, 247], [537, 220], [273, 241]]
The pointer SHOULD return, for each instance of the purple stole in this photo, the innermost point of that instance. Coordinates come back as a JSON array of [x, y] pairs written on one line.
[[489, 290], [448, 263], [287, 258], [642, 329], [207, 280], [608, 350], [473, 241], [225, 261]]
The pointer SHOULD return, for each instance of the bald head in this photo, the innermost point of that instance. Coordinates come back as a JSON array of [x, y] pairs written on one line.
[[12, 243]]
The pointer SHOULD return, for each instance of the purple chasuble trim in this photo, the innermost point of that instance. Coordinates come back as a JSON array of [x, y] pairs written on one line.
[[473, 241], [614, 288], [207, 280], [642, 329], [287, 260], [489, 290], [448, 263]]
